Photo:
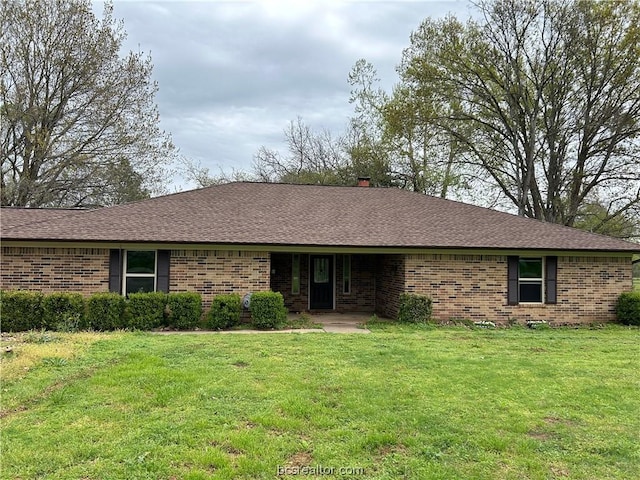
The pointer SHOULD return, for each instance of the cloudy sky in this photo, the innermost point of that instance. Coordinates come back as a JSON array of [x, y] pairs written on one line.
[[232, 74]]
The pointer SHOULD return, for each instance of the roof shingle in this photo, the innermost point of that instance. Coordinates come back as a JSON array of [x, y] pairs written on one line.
[[17, 216], [310, 215]]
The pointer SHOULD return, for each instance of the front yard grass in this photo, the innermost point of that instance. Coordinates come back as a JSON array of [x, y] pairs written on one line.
[[401, 402]]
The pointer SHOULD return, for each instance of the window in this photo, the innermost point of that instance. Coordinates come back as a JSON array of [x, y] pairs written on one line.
[[346, 274], [321, 270], [530, 280], [139, 271], [295, 274]]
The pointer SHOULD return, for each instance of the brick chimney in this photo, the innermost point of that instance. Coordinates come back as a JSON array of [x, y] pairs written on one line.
[[363, 181]]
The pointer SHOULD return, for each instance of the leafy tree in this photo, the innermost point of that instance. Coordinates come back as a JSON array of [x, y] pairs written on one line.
[[597, 216], [79, 123], [543, 96], [429, 153], [370, 155], [400, 135]]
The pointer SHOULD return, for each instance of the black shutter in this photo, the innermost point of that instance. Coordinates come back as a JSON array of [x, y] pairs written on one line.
[[115, 271], [551, 279], [162, 283], [512, 280]]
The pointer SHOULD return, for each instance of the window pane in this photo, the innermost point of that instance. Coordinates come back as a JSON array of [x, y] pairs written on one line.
[[139, 285], [321, 270], [346, 273], [530, 268], [141, 262], [295, 274], [531, 292]]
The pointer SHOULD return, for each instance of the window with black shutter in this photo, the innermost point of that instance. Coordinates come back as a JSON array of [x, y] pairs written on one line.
[[135, 271], [532, 280]]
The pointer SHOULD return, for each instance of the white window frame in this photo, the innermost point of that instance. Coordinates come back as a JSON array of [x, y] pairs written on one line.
[[295, 262], [532, 281], [125, 275], [346, 274]]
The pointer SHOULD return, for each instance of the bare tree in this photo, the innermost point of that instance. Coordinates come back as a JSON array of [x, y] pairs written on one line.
[[78, 123], [202, 176], [313, 158]]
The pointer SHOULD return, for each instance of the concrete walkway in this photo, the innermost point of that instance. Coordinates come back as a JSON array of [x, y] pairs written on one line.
[[331, 323], [342, 322]]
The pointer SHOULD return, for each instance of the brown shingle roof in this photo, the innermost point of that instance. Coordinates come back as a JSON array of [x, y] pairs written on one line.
[[16, 216], [281, 214]]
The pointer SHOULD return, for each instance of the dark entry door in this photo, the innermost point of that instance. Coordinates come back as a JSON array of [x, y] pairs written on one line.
[[321, 282]]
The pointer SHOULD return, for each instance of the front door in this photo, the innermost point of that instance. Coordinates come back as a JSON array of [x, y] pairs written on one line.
[[321, 282]]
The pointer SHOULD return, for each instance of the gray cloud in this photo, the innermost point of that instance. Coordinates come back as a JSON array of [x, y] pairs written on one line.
[[233, 74]]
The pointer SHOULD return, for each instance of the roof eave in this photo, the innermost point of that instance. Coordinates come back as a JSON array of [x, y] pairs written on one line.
[[319, 248]]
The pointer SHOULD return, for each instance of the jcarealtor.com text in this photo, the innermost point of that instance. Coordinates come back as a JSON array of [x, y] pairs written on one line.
[[319, 470]]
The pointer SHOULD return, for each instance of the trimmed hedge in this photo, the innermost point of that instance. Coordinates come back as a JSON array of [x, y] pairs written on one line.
[[268, 310], [105, 311], [414, 308], [628, 308], [20, 310], [146, 311], [184, 310], [63, 312], [225, 311]]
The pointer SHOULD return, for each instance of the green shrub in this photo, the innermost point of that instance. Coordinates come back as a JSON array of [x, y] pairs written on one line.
[[225, 311], [105, 311], [628, 308], [145, 311], [184, 310], [414, 308], [268, 310], [20, 310], [63, 311]]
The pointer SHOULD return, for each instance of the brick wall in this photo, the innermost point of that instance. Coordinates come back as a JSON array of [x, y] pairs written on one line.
[[475, 287], [462, 286], [212, 272], [362, 297], [281, 280], [84, 270], [390, 281]]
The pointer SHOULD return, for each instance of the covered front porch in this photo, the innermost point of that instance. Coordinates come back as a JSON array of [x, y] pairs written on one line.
[[337, 282]]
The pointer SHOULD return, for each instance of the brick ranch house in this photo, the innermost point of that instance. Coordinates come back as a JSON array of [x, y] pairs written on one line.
[[324, 248]]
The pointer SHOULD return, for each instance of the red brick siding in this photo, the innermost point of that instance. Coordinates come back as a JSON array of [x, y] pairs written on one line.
[[212, 272], [281, 277], [462, 286], [84, 270], [362, 297], [475, 287], [390, 283]]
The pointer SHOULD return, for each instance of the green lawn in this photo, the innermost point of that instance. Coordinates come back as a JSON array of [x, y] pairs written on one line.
[[402, 402]]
